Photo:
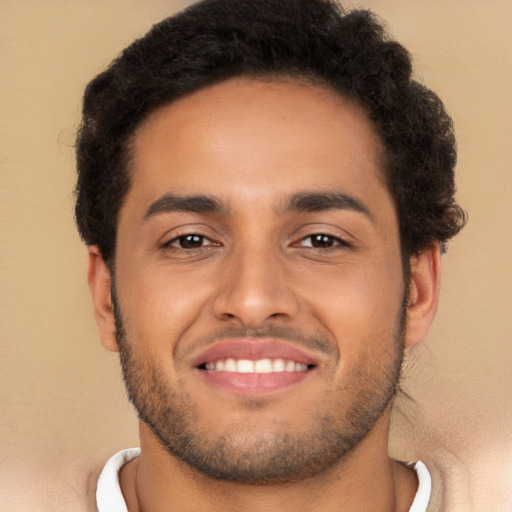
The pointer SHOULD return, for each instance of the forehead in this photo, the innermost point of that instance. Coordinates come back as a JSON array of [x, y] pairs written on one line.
[[250, 139]]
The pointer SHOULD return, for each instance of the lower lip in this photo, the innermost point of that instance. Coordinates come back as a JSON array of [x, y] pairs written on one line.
[[254, 383]]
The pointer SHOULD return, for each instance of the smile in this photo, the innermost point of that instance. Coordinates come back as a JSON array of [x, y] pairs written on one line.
[[250, 366], [277, 365]]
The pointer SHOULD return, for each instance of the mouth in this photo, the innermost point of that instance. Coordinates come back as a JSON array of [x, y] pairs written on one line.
[[254, 366], [258, 366]]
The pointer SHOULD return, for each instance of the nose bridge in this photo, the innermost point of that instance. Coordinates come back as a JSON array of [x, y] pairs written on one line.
[[254, 287]]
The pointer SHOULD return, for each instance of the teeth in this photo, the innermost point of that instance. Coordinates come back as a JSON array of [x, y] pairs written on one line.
[[244, 366], [278, 365], [263, 366], [229, 365], [290, 366], [258, 366]]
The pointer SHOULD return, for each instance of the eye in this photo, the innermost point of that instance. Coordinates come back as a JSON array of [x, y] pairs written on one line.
[[190, 241], [322, 241]]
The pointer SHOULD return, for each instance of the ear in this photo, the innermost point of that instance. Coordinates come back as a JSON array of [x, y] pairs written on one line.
[[99, 286], [424, 288]]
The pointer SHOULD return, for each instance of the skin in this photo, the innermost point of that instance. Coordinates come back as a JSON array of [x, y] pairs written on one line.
[[253, 145]]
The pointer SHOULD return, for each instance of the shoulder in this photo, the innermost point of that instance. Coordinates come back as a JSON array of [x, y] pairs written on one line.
[[450, 484]]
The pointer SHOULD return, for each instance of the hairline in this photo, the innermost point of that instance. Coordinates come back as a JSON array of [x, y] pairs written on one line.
[[296, 77]]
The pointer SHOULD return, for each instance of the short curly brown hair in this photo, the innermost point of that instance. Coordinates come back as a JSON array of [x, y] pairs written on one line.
[[214, 40]]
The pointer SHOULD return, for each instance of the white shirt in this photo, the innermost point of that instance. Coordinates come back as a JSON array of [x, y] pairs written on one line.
[[109, 497]]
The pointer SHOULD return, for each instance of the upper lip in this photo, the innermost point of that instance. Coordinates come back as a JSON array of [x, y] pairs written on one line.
[[254, 349]]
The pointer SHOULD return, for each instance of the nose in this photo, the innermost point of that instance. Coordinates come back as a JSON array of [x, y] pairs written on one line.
[[254, 288]]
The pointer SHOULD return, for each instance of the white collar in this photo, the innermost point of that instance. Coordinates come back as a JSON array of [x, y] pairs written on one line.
[[109, 497]]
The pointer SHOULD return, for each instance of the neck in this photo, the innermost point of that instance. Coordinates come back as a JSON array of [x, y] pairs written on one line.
[[365, 479]]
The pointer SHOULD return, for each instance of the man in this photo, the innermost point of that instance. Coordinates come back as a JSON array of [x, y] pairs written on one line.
[[265, 193]]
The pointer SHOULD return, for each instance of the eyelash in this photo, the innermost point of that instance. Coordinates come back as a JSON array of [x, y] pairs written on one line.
[[331, 241], [334, 241], [182, 238]]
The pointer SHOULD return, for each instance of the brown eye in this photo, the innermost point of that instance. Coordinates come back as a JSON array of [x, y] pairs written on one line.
[[191, 241], [322, 241]]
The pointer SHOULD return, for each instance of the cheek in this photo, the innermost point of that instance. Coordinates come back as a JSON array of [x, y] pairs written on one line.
[[357, 305], [160, 304]]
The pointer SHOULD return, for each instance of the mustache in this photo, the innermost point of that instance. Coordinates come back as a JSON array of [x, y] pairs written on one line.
[[315, 341]]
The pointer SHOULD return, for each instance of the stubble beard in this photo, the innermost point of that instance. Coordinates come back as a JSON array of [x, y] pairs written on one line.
[[253, 457]]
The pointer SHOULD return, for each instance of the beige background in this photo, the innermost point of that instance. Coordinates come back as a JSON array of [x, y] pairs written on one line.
[[62, 405]]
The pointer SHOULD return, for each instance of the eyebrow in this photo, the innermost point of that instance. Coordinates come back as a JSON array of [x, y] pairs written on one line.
[[177, 203], [322, 201], [300, 202]]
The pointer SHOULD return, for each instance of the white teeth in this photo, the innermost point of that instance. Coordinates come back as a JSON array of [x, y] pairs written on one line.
[[230, 365], [278, 365], [290, 366], [244, 366], [263, 366], [258, 366]]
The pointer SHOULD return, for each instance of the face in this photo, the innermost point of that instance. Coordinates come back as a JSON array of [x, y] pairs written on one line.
[[259, 292]]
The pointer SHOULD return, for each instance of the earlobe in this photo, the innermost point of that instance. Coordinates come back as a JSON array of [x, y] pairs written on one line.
[[100, 287], [423, 297]]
